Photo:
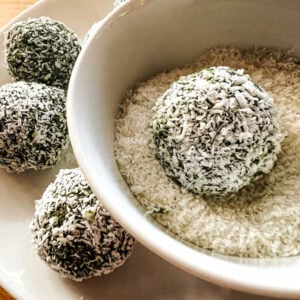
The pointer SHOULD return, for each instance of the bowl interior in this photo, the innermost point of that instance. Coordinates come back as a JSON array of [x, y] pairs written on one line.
[[136, 41]]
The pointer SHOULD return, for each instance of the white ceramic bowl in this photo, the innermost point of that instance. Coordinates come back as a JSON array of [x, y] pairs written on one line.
[[134, 42]]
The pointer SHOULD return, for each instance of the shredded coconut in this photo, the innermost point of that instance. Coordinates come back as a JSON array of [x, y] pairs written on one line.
[[262, 219], [33, 126], [73, 232], [215, 131], [41, 50]]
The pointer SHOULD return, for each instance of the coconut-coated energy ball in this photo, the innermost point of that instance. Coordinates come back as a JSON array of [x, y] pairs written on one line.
[[74, 233], [41, 50], [215, 131], [33, 126]]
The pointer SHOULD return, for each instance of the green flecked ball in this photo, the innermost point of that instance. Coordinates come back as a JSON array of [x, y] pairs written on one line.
[[41, 50], [33, 126], [74, 233], [215, 131]]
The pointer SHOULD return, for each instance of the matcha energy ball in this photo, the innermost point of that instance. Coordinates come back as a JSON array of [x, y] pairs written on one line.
[[74, 233], [33, 126], [215, 131], [41, 50]]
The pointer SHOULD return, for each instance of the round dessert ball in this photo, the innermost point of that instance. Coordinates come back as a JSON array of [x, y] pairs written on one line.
[[73, 232], [215, 131], [33, 126], [41, 50]]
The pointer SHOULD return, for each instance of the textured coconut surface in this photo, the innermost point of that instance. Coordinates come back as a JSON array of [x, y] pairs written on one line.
[[41, 50], [262, 219], [33, 126], [73, 232], [215, 131]]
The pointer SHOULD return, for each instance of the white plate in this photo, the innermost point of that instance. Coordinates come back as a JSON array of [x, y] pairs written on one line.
[[22, 273]]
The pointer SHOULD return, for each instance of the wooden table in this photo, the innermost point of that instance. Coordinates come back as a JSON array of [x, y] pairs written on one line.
[[8, 10]]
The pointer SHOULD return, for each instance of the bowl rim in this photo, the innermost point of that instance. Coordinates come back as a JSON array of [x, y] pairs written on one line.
[[208, 267]]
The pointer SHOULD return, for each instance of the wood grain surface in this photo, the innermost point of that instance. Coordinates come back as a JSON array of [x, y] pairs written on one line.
[[8, 10], [4, 295]]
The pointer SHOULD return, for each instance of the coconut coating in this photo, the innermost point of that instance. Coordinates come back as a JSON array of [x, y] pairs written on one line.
[[41, 50], [215, 131], [33, 126], [74, 233]]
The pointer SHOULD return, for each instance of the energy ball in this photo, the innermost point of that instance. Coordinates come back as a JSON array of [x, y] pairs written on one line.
[[215, 131], [74, 233], [41, 50], [33, 126]]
